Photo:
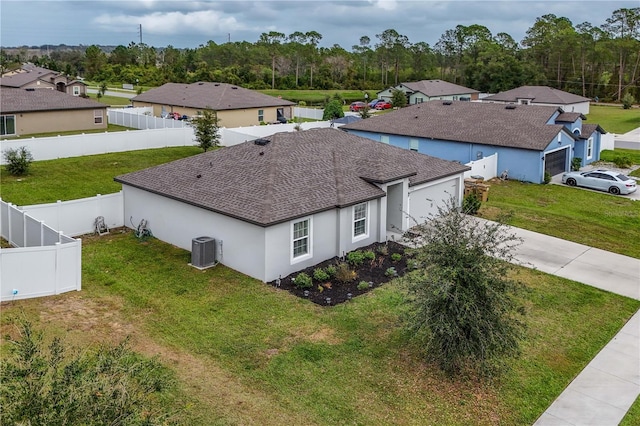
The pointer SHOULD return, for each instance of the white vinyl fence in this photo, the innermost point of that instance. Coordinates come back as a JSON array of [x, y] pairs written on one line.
[[77, 217], [607, 141], [486, 167], [43, 261], [312, 113], [142, 118]]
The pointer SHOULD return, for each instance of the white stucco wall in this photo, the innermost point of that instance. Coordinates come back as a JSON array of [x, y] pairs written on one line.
[[177, 223]]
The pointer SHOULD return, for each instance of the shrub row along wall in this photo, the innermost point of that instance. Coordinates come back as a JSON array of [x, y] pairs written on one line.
[[43, 261]]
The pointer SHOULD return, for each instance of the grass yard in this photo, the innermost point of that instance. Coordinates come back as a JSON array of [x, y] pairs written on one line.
[[246, 353], [317, 97], [79, 177], [614, 119], [110, 128], [110, 100], [598, 220]]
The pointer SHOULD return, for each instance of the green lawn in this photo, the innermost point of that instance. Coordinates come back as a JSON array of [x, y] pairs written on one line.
[[79, 177], [246, 353], [110, 128], [596, 219], [614, 119], [110, 100], [317, 97]]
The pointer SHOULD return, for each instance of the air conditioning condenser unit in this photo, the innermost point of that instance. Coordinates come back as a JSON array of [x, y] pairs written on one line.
[[203, 252]]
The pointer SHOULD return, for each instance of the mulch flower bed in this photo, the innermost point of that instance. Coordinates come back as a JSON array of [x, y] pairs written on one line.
[[332, 291]]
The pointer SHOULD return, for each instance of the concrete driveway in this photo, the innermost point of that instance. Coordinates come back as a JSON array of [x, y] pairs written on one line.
[[630, 140]]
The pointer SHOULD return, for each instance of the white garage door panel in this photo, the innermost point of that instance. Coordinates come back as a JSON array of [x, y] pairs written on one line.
[[424, 202]]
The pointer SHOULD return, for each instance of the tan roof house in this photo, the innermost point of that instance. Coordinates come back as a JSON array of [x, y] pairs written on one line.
[[234, 105], [542, 95], [34, 77], [429, 90], [29, 111]]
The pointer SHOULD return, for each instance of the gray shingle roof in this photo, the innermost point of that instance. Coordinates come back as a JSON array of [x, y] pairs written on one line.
[[538, 94], [569, 117], [21, 100], [588, 129], [521, 126], [294, 175], [433, 88], [30, 75], [216, 96]]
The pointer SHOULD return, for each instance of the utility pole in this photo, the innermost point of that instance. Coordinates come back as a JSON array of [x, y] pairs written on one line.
[[140, 33]]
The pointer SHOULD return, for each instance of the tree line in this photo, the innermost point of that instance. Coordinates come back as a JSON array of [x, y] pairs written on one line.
[[592, 61]]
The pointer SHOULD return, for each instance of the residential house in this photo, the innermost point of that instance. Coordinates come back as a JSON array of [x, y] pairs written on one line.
[[542, 95], [529, 140], [34, 77], [29, 111], [235, 106], [429, 90], [278, 205]]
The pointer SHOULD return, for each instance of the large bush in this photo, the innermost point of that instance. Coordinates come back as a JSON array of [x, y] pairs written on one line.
[[18, 160], [332, 110]]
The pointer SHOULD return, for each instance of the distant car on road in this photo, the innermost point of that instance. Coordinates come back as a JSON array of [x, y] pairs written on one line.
[[603, 180], [356, 106], [373, 103], [383, 105]]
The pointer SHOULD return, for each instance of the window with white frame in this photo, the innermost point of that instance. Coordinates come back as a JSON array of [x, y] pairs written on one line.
[[97, 116], [76, 91], [301, 238], [7, 125], [589, 148], [260, 115], [384, 139], [418, 100], [413, 144], [360, 222]]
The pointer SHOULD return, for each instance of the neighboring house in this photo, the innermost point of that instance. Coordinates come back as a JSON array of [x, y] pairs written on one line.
[[33, 77], [542, 95], [235, 106], [29, 111], [529, 140], [279, 205], [429, 90]]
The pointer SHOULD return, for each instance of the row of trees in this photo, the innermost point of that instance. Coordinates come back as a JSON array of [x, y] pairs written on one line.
[[593, 61]]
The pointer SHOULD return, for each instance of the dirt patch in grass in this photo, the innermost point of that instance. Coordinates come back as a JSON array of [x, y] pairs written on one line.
[[373, 272]]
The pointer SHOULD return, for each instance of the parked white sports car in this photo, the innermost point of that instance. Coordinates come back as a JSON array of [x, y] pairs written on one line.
[[604, 180]]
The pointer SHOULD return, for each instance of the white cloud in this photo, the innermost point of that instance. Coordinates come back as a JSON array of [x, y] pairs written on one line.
[[385, 4]]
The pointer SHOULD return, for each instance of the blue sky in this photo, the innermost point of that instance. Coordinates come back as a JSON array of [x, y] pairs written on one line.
[[193, 23]]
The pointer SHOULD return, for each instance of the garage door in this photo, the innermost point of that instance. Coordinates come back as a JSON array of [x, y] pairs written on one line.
[[556, 162], [424, 201]]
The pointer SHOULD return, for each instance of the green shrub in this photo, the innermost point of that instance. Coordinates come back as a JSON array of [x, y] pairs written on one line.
[[303, 280], [396, 257], [344, 273], [383, 250], [18, 160], [333, 110], [547, 177], [363, 285], [369, 255], [331, 271], [391, 272], [413, 264], [355, 258], [627, 101], [576, 162], [320, 274], [471, 204], [622, 161]]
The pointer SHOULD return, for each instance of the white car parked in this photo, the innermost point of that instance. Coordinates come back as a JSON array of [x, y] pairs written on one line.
[[604, 180]]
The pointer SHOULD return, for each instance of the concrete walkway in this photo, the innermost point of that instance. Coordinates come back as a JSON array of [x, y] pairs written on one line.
[[604, 391]]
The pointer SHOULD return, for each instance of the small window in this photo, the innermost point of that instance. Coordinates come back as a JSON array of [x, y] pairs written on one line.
[[97, 116], [589, 148], [384, 139], [360, 228], [260, 115], [301, 238], [76, 91], [7, 125], [413, 144], [418, 100]]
